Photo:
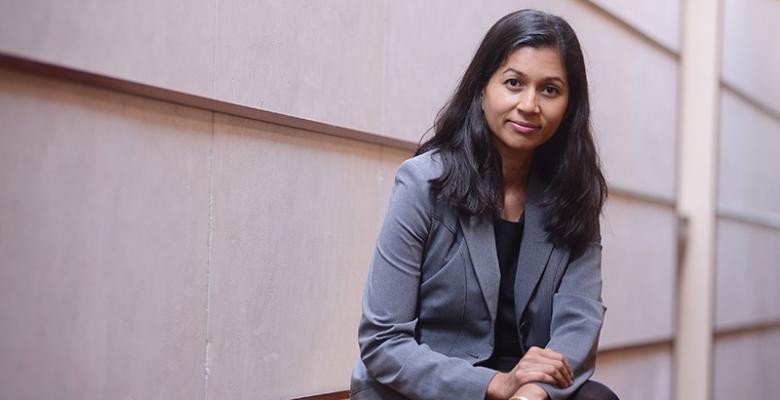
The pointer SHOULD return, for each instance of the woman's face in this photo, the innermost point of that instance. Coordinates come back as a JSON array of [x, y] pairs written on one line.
[[525, 100]]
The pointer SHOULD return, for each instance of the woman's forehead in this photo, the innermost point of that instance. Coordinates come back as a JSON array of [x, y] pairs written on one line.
[[534, 61]]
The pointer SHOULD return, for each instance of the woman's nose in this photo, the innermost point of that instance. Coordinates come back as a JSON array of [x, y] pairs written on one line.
[[528, 102]]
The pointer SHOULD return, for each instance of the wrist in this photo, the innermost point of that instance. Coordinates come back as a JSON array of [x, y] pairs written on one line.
[[501, 387], [530, 391]]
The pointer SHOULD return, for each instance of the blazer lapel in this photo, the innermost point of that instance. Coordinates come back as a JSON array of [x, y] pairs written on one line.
[[481, 242], [535, 249]]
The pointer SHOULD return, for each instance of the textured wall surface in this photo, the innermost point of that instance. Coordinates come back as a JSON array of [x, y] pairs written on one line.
[[163, 43], [637, 373], [750, 63], [747, 318], [747, 275], [295, 219], [660, 20], [748, 138], [639, 271], [746, 365], [133, 232], [103, 243]]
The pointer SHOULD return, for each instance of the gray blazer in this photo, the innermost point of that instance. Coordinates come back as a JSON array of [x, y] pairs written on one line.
[[430, 301]]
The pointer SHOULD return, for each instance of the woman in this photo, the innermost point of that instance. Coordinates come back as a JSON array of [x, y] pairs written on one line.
[[486, 279]]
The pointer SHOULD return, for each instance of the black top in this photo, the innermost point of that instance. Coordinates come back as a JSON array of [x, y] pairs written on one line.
[[507, 348]]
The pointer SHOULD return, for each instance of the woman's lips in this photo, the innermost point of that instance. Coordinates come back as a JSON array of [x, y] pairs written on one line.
[[524, 127]]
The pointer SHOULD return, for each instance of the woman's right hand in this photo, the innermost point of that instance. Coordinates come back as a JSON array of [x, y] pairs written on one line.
[[543, 365], [537, 365]]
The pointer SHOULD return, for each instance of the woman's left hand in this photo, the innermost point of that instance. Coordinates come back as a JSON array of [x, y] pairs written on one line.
[[530, 391]]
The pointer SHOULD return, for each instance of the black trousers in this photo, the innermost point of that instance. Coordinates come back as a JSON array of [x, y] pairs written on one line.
[[592, 390]]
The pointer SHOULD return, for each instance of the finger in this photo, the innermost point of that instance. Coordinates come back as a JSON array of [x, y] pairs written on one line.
[[569, 370], [548, 369], [534, 350], [566, 368], [559, 357], [538, 356], [561, 378], [524, 377], [550, 353], [559, 363], [554, 367]]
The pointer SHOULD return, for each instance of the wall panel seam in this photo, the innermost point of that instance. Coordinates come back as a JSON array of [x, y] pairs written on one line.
[[207, 343], [632, 29], [750, 217], [40, 68], [642, 196], [639, 344], [747, 328], [758, 105], [209, 244], [327, 396]]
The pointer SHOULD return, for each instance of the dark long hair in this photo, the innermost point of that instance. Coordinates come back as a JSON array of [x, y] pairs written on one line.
[[567, 163]]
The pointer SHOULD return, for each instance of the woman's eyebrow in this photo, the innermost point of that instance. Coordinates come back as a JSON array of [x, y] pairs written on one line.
[[545, 79], [516, 72], [555, 78]]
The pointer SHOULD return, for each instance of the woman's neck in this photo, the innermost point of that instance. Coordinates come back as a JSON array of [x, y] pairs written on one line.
[[515, 170], [514, 182]]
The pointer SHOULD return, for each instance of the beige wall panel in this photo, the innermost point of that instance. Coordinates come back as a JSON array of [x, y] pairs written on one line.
[[642, 373], [747, 275], [426, 56], [746, 365], [660, 19], [749, 169], [103, 244], [634, 104], [295, 221], [750, 54], [316, 60], [162, 43], [639, 272]]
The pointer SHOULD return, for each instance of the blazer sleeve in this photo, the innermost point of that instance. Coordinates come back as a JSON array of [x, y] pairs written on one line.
[[577, 317], [386, 335]]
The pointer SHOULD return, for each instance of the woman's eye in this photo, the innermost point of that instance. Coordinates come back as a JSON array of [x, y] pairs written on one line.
[[551, 90], [513, 83]]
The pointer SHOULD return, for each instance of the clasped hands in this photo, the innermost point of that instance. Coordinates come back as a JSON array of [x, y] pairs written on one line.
[[537, 365]]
